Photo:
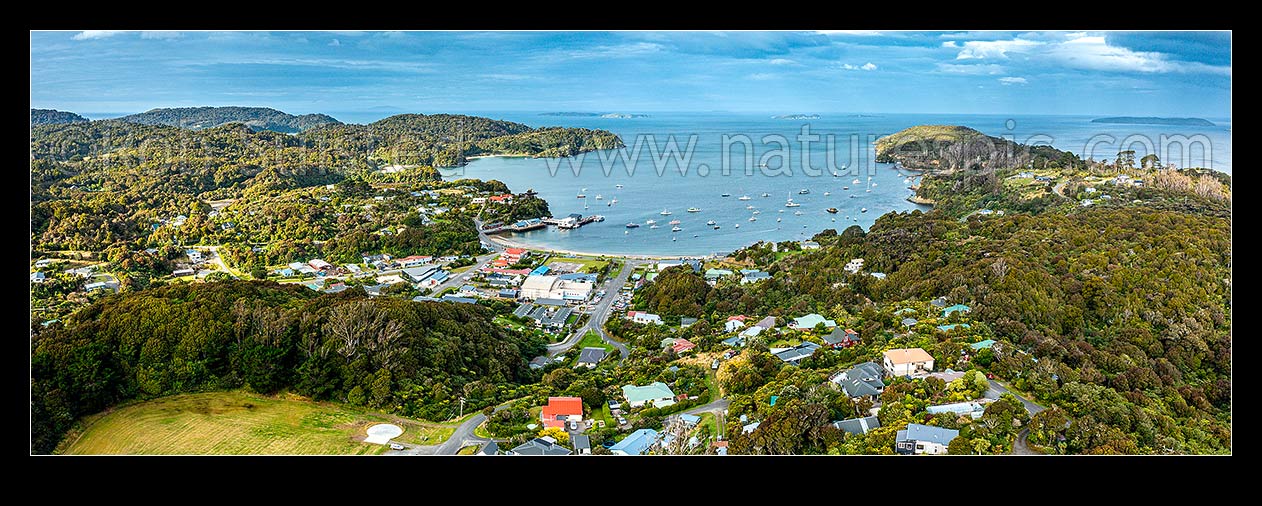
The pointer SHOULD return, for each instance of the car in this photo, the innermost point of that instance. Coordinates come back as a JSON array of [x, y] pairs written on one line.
[[990, 376], [396, 446]]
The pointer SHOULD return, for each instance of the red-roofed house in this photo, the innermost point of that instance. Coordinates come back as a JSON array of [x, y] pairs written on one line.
[[502, 199], [560, 410], [739, 317], [415, 260], [681, 345], [514, 254], [500, 262]]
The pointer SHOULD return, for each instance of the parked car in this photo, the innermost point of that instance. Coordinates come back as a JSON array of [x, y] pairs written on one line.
[[396, 446]]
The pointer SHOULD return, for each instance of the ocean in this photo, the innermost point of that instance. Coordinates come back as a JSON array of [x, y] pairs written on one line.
[[654, 183]]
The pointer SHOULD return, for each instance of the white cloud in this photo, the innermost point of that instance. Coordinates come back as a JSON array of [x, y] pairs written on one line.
[[856, 33], [950, 43], [868, 66], [865, 66], [97, 34], [162, 34], [782, 61], [1012, 80], [1092, 52], [335, 43], [982, 49], [971, 70], [762, 76], [618, 51]]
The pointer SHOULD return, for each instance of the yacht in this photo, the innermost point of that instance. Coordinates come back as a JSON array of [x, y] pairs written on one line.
[[725, 194], [782, 210], [633, 225], [873, 184], [738, 225], [743, 197], [792, 204], [869, 190], [757, 211], [803, 191], [653, 226], [665, 212], [613, 201], [674, 222], [778, 219], [863, 209], [831, 210], [675, 228], [693, 210], [599, 197], [856, 181], [753, 218], [650, 222], [710, 223], [751, 206], [827, 193]]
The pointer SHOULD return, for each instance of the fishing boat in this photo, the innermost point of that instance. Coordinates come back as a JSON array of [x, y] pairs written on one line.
[[743, 197], [710, 223], [831, 210], [716, 227], [665, 212], [738, 225], [863, 209], [751, 206], [757, 211], [782, 210], [725, 194], [845, 187], [827, 193], [693, 210], [633, 225], [674, 222], [804, 191], [650, 222], [792, 204], [753, 218], [675, 228], [797, 213], [600, 197]]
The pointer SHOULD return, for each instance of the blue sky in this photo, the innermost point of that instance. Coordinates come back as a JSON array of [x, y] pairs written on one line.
[[1092, 73]]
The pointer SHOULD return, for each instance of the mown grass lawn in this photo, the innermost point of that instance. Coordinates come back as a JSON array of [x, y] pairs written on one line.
[[589, 264], [240, 423]]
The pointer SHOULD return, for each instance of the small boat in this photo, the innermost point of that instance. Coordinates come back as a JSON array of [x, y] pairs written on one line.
[[710, 223], [626, 232], [600, 197], [610, 204], [753, 218], [793, 204], [674, 222], [584, 204], [778, 219], [845, 187], [652, 226], [797, 213], [618, 186], [614, 201], [873, 184], [650, 222], [869, 190], [716, 227], [583, 190], [738, 225], [863, 209], [782, 210], [675, 228], [856, 181], [693, 210], [581, 196], [827, 194], [751, 206], [757, 211], [852, 196], [743, 197], [633, 225], [665, 212], [834, 220], [674, 238], [803, 191], [765, 194], [725, 194], [831, 210]]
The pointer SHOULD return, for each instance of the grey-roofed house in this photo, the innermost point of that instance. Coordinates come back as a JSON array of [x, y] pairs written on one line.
[[523, 310], [582, 444], [540, 446], [734, 341], [490, 448], [767, 323], [862, 380], [543, 301], [858, 425], [940, 302], [908, 322], [686, 322], [508, 293], [797, 353], [841, 338], [539, 362], [917, 439], [462, 300], [591, 356]]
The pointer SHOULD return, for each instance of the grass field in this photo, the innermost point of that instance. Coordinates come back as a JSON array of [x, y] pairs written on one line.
[[589, 264], [239, 423], [591, 340], [468, 450]]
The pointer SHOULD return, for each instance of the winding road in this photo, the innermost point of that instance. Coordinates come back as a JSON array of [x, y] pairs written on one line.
[[600, 314], [1019, 447]]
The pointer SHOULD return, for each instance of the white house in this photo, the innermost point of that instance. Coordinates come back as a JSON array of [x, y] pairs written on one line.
[[642, 317], [907, 362], [919, 439], [656, 393], [552, 287], [854, 265], [733, 325]]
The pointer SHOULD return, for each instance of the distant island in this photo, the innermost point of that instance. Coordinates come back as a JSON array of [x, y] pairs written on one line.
[[1149, 120], [796, 116], [54, 117], [257, 118], [612, 115]]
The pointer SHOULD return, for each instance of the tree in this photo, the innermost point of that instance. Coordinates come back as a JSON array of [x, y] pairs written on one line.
[[557, 433]]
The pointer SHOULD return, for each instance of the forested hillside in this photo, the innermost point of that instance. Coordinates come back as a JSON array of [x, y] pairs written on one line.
[[54, 117], [257, 118]]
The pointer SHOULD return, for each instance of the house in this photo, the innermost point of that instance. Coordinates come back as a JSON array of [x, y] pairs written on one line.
[[539, 362], [733, 325], [591, 356], [858, 425], [854, 265], [767, 323], [514, 255], [919, 439], [540, 446], [689, 420], [840, 338], [560, 410], [958, 307], [101, 285], [947, 328], [582, 444], [877, 275], [908, 322], [194, 256], [635, 443], [319, 265], [720, 447], [747, 429], [907, 362], [352, 268], [45, 262], [540, 270], [686, 322], [422, 273], [553, 287], [713, 275], [374, 259], [415, 260], [462, 300], [656, 393], [336, 288], [374, 290], [681, 345], [1026, 175], [753, 276], [189, 272], [862, 380], [810, 245], [904, 311], [37, 277], [490, 448], [972, 409], [939, 302], [797, 353], [751, 332], [809, 322], [477, 200], [642, 317], [735, 340], [550, 302], [983, 345], [468, 291]]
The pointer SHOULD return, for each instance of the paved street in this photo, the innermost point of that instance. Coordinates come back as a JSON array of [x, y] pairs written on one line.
[[1019, 447], [600, 314]]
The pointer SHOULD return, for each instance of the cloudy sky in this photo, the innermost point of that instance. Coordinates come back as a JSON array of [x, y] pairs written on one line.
[[1091, 73]]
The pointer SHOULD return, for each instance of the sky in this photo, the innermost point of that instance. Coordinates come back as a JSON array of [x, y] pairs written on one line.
[[990, 72]]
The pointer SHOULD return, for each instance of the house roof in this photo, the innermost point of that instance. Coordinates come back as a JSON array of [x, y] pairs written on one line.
[[735, 340], [739, 317], [907, 355], [767, 323], [562, 406], [839, 335], [591, 355], [982, 344], [811, 320], [654, 390], [798, 352], [918, 432], [945, 328], [956, 407], [690, 419], [681, 345], [490, 448], [909, 321], [544, 301], [858, 425], [540, 446], [636, 442], [581, 441], [952, 309], [752, 331]]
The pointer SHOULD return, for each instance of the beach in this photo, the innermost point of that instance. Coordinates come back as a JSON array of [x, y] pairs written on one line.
[[510, 243]]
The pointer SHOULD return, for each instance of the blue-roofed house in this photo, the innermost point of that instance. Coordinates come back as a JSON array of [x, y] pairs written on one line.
[[468, 291], [958, 307], [635, 443], [946, 328], [753, 276], [919, 439], [939, 302], [689, 420], [735, 341], [982, 345], [540, 270], [908, 322]]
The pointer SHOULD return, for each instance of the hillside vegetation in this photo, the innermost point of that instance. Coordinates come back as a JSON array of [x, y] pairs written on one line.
[[257, 118]]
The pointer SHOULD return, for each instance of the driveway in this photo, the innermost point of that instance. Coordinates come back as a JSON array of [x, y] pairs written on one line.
[[1019, 447]]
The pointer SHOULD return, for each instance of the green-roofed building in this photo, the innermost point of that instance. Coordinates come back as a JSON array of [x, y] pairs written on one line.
[[715, 274], [656, 392], [982, 345], [809, 322], [958, 307]]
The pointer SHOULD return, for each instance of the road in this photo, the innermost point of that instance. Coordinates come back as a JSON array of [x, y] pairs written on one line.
[[1019, 447], [460, 438], [1059, 189], [600, 314], [719, 408]]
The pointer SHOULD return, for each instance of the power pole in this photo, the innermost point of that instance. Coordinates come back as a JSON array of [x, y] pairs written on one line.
[[461, 408]]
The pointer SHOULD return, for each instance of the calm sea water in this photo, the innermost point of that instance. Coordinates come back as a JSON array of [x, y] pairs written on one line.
[[650, 187]]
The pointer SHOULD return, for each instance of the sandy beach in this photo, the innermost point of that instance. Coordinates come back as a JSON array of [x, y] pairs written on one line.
[[510, 243]]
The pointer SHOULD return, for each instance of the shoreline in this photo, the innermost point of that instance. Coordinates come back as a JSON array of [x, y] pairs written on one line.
[[510, 243]]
